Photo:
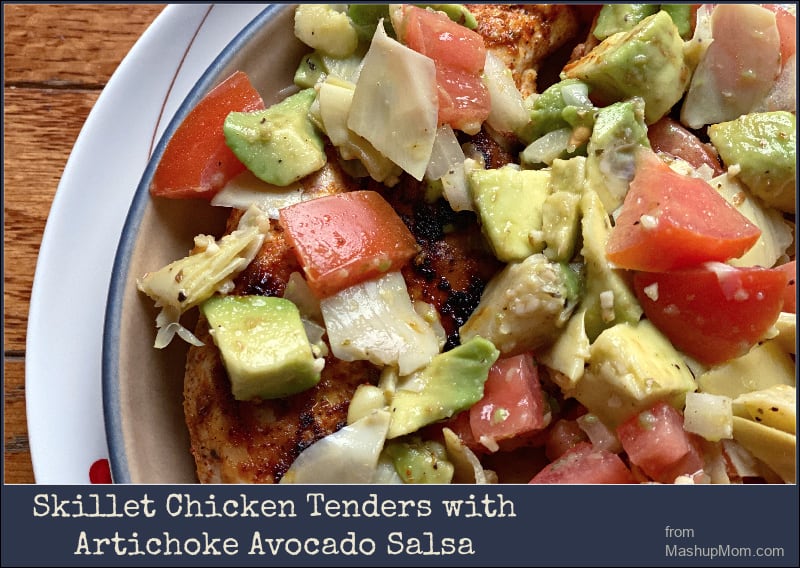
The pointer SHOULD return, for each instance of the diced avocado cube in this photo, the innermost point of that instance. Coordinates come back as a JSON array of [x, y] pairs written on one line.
[[614, 18], [646, 61], [509, 202], [607, 299], [631, 367], [310, 70], [561, 210], [764, 146], [280, 144], [619, 133], [323, 27], [682, 16], [263, 344], [420, 461], [453, 381]]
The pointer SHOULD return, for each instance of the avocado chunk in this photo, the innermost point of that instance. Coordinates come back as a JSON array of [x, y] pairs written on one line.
[[619, 132], [647, 61], [775, 448], [280, 144], [614, 18], [561, 210], [562, 106], [524, 307], [453, 381], [631, 367], [420, 461], [326, 29], [509, 203], [607, 298], [764, 146], [765, 365], [263, 345]]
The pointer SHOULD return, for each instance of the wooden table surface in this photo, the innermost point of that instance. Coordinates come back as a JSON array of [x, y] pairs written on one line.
[[58, 58]]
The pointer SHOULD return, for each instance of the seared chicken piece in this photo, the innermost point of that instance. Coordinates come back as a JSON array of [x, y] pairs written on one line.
[[524, 35]]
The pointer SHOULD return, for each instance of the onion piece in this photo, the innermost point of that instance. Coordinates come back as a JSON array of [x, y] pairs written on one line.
[[508, 113], [547, 148], [349, 455], [601, 436], [708, 415]]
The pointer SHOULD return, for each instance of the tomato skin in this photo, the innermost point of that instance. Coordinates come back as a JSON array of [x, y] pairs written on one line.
[[715, 312], [584, 464], [790, 293], [656, 442], [459, 55], [513, 403], [670, 137], [671, 221], [346, 238], [561, 437], [196, 162], [787, 29]]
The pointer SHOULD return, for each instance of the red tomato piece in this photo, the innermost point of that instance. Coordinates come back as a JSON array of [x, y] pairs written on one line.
[[656, 442], [196, 161], [787, 29], [670, 221], [715, 312], [669, 136], [583, 464], [513, 402], [790, 293], [459, 55], [562, 436], [346, 238]]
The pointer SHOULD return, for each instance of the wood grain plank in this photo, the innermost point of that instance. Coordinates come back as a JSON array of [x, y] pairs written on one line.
[[57, 58], [40, 128], [18, 467], [71, 44]]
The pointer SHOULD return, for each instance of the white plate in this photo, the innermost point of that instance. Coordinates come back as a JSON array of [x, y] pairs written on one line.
[[65, 326]]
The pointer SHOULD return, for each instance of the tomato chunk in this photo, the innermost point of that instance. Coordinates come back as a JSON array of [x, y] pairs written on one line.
[[670, 221], [790, 293], [562, 436], [715, 312], [669, 136], [346, 238], [787, 29], [584, 464], [459, 55], [196, 161], [656, 442], [513, 402]]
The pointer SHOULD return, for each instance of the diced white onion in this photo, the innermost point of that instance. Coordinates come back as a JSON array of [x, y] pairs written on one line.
[[445, 154], [547, 148], [599, 434], [508, 113], [709, 416]]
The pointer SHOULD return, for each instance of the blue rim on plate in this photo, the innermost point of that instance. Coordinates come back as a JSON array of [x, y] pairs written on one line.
[[118, 456]]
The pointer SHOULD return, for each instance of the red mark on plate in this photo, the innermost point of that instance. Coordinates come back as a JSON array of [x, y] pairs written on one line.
[[100, 472]]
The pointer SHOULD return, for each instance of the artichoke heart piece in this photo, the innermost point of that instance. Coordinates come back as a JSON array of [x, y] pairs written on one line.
[[210, 267]]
